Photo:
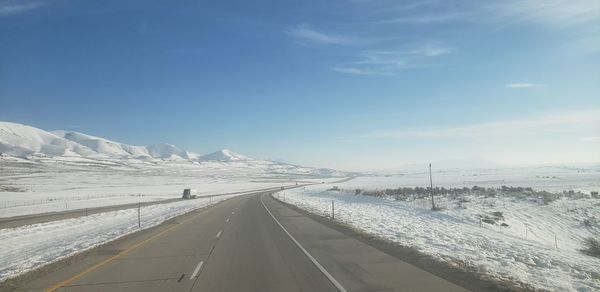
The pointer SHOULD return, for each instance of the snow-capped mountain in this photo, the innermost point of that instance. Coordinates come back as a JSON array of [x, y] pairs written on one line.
[[23, 140], [29, 142], [224, 155], [103, 146], [169, 152]]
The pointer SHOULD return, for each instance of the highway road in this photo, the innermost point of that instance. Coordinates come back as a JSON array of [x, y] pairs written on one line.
[[248, 243], [17, 221]]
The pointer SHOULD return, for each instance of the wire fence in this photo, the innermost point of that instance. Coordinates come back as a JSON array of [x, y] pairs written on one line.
[[50, 200]]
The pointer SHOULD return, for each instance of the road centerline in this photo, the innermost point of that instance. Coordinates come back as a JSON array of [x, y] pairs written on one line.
[[198, 267]]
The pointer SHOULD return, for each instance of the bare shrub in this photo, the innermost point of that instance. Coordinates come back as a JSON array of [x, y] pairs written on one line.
[[516, 193], [591, 247], [548, 197], [489, 221]]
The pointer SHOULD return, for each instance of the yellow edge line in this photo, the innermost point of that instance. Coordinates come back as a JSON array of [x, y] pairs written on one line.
[[100, 264]]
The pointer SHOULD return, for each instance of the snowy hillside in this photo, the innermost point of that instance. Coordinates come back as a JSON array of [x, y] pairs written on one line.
[[22, 140], [224, 155], [167, 151], [113, 149], [103, 146]]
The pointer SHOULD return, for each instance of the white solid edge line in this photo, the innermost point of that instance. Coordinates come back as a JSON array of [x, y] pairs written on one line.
[[197, 270], [312, 259]]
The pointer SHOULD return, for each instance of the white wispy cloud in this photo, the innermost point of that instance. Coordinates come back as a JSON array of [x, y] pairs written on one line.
[[305, 34], [555, 12], [388, 63], [584, 121], [362, 71], [429, 18], [12, 7], [373, 62], [524, 85]]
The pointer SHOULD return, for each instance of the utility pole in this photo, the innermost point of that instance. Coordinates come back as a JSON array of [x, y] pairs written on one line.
[[139, 223], [431, 188]]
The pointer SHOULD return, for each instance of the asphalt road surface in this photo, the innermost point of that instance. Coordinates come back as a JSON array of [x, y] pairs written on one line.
[[248, 243]]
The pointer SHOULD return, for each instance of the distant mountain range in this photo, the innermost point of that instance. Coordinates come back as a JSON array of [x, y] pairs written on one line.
[[22, 140], [25, 141]]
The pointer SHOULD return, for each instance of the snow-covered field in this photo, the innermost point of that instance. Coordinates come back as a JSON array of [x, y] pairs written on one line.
[[539, 247], [44, 184], [29, 247], [551, 178]]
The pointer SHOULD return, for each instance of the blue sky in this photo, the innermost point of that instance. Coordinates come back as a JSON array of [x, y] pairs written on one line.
[[354, 84]]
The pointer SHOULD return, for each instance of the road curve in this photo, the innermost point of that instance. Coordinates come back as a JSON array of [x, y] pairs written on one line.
[[237, 245]]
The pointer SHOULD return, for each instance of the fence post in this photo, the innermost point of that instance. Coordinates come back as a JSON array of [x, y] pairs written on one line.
[[332, 210], [555, 241], [139, 223], [431, 188]]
